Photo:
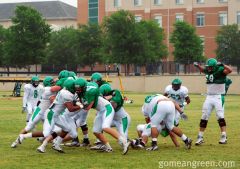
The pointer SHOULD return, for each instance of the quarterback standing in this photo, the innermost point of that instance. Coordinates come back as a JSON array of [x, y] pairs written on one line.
[[216, 77]]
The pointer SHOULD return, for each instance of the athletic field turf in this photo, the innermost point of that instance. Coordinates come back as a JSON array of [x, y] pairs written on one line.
[[208, 155]]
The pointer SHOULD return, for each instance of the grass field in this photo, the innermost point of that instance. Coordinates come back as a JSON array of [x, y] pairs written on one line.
[[25, 155]]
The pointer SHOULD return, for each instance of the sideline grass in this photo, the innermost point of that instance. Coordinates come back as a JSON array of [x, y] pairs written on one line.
[[25, 155]]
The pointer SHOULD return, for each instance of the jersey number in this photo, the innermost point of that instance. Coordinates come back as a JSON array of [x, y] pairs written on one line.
[[35, 94], [210, 78]]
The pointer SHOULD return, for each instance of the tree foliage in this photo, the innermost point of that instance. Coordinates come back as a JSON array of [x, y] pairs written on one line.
[[3, 35], [187, 45], [27, 38], [63, 48], [90, 44], [228, 41]]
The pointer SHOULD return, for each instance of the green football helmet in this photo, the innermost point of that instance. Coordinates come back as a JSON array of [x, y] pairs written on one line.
[[73, 74], [63, 74], [35, 81], [92, 89], [96, 77], [48, 81], [176, 84], [211, 62], [80, 85], [105, 90], [69, 85]]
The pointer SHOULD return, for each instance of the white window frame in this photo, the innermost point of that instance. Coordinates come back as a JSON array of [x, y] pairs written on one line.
[[238, 18], [157, 2], [137, 2], [158, 19], [179, 17], [117, 3], [200, 1], [223, 18], [203, 43], [222, 1], [138, 18], [203, 24], [179, 2]]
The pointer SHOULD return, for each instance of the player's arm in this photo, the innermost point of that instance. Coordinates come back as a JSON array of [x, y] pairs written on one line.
[[55, 88], [71, 107], [227, 69], [201, 69], [25, 96], [147, 119], [89, 106]]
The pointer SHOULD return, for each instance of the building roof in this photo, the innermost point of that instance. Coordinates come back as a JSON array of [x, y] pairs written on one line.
[[48, 9]]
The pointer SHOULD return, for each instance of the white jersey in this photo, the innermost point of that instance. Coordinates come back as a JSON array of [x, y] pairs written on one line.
[[62, 97], [149, 104], [177, 95], [32, 94], [47, 94]]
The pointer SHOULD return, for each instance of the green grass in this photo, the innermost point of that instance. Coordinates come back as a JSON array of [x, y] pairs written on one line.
[[25, 155]]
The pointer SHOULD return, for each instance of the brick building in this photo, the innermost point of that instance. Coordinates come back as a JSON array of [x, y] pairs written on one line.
[[206, 15]]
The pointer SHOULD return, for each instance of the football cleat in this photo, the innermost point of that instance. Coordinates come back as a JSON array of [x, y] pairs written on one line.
[[14, 144], [125, 147], [73, 144], [41, 149], [85, 142], [57, 148], [104, 148], [223, 139], [199, 141], [96, 147], [152, 148], [188, 143]]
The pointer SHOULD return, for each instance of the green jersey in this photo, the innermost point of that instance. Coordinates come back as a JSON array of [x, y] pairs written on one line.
[[91, 94], [215, 80], [118, 99]]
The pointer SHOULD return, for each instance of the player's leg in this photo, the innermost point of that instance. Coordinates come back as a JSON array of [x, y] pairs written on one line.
[[206, 112], [221, 120]]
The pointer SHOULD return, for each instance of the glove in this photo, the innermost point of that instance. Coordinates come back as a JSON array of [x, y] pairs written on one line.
[[195, 64], [219, 64], [184, 116], [24, 110], [79, 104]]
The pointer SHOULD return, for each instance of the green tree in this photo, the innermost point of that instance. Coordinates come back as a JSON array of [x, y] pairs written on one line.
[[28, 37], [228, 40], [90, 45], [153, 48], [187, 44], [122, 42], [3, 34], [62, 48]]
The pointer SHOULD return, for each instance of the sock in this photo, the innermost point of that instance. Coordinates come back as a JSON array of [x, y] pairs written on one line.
[[28, 135], [85, 136], [224, 133], [154, 141], [59, 140], [108, 145], [44, 144], [200, 133], [183, 137]]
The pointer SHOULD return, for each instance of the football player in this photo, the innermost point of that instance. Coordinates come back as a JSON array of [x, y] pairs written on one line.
[[216, 76], [179, 94], [31, 96]]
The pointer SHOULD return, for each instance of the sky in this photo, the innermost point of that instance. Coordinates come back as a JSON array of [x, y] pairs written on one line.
[[70, 2]]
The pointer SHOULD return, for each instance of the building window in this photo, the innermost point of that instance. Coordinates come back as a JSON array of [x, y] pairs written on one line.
[[238, 18], [117, 3], [222, 1], [158, 19], [138, 18], [200, 1], [203, 43], [157, 2], [223, 19], [200, 20], [93, 11], [179, 17], [137, 2], [179, 2]]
